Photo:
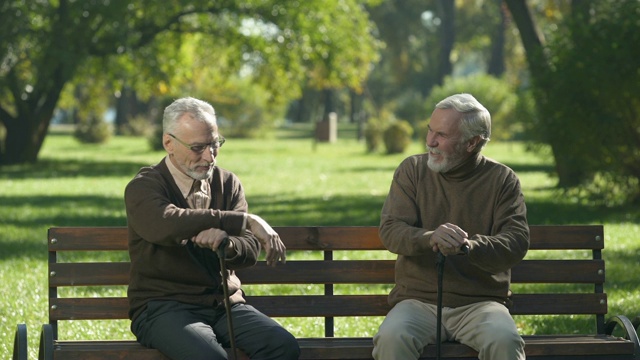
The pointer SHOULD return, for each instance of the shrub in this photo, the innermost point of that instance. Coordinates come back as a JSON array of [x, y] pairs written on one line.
[[373, 134], [138, 126], [155, 139], [93, 130], [397, 136]]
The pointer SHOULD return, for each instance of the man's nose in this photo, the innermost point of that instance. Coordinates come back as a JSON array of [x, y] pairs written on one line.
[[431, 140], [210, 154]]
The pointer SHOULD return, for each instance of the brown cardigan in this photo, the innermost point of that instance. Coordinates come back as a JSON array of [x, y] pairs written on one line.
[[159, 218], [481, 196]]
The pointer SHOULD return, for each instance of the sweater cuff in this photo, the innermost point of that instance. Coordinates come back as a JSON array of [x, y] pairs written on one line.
[[234, 222]]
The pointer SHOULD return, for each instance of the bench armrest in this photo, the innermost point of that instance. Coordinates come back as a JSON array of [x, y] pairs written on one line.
[[45, 350], [629, 331], [20, 343]]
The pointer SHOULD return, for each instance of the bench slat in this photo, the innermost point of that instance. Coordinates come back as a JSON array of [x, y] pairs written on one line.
[[326, 238], [88, 274], [88, 239], [335, 305], [331, 272], [583, 346], [559, 271], [562, 237]]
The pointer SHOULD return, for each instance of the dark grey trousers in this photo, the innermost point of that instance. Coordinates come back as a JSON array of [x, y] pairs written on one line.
[[184, 331]]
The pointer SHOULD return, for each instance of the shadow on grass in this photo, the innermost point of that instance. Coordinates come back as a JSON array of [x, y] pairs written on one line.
[[19, 248], [47, 169], [68, 211], [295, 210]]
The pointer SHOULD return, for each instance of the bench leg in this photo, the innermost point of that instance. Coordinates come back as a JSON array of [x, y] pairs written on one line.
[[45, 350], [629, 330], [20, 343]]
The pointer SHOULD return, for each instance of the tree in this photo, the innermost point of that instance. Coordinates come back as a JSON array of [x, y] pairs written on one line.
[[46, 44], [586, 81], [428, 40]]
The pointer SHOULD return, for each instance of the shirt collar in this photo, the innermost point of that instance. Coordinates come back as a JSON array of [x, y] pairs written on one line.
[[184, 181]]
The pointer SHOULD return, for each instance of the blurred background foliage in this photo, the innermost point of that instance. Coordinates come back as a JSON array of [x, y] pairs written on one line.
[[558, 73]]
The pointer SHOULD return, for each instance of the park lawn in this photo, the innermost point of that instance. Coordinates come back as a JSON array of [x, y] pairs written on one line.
[[289, 180]]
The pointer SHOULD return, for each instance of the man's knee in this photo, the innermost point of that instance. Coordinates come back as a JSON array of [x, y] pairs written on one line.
[[502, 343], [395, 340], [281, 344]]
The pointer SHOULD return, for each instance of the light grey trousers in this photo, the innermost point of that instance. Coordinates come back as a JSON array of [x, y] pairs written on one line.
[[486, 327]]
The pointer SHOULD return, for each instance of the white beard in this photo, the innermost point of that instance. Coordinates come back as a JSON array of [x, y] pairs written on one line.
[[448, 161]]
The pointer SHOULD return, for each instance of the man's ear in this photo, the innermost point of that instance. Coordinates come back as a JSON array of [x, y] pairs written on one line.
[[167, 143], [472, 144]]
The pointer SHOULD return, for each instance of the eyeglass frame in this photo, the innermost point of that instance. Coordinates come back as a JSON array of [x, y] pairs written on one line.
[[214, 145]]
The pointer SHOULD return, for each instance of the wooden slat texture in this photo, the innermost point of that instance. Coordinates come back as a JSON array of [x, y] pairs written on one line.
[[88, 308], [321, 272], [565, 304], [566, 237], [559, 271], [84, 274], [332, 272], [87, 239], [327, 238], [333, 305], [573, 346]]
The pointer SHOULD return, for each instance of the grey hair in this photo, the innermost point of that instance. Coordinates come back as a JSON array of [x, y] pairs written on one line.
[[188, 105], [476, 120]]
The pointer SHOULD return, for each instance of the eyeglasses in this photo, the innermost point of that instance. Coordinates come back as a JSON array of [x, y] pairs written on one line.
[[199, 148]]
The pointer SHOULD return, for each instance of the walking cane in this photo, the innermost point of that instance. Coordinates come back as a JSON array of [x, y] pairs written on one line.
[[440, 269], [225, 287]]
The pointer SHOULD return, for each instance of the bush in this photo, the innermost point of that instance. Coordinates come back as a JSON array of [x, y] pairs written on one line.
[[93, 130], [373, 134], [138, 126], [155, 139], [397, 136]]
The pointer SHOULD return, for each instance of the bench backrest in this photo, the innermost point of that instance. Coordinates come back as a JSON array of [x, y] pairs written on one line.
[[326, 271]]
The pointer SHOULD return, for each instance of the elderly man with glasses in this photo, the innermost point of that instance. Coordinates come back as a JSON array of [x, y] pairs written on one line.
[[179, 212]]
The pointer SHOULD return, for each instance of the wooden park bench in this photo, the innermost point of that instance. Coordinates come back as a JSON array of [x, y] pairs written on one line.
[[572, 298]]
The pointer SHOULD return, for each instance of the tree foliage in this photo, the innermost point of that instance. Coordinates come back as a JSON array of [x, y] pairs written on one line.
[[586, 81], [152, 47]]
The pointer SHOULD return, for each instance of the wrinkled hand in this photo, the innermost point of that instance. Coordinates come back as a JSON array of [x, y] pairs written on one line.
[[449, 239], [210, 238], [270, 240]]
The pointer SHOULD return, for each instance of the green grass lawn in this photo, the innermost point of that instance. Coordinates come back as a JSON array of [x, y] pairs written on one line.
[[289, 180]]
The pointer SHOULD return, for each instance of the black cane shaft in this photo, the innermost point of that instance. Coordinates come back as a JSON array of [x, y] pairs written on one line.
[[227, 303], [440, 268]]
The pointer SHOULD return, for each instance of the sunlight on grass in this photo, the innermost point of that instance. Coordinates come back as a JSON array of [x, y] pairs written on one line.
[[288, 181]]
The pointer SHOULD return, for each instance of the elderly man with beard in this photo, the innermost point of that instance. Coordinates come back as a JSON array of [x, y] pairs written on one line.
[[179, 212], [439, 201]]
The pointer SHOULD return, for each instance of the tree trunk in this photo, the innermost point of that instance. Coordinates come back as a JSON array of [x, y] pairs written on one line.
[[329, 103], [447, 39], [568, 170], [496, 61], [25, 136]]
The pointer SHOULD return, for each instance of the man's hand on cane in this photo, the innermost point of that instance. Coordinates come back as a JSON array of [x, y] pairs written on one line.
[[211, 239], [270, 240], [449, 239]]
